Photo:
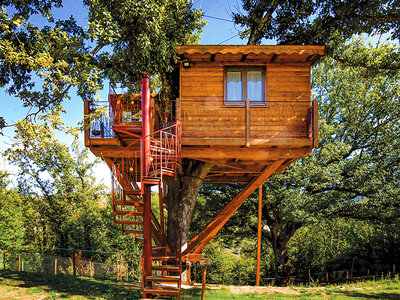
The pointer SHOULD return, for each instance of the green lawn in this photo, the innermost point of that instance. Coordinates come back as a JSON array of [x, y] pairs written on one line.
[[38, 286]]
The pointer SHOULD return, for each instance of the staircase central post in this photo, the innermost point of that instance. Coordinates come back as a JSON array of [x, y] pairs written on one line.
[[146, 131], [146, 124]]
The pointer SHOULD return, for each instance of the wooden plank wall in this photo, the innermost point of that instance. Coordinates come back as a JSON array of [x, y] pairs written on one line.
[[285, 116]]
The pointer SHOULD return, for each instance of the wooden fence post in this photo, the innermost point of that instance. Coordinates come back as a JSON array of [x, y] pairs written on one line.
[[73, 262], [203, 283], [55, 266], [188, 271], [19, 263]]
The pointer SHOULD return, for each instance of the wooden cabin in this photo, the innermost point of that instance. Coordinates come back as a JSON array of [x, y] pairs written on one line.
[[239, 137], [245, 109]]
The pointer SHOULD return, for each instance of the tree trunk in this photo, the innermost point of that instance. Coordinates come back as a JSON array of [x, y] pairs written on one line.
[[279, 238], [181, 198]]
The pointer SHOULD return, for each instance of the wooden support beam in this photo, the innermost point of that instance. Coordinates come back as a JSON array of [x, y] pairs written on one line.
[[105, 142], [315, 123], [114, 153], [221, 141], [259, 235], [247, 111], [250, 154], [197, 244]]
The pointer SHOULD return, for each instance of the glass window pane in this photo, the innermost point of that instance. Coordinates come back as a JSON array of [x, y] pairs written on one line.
[[234, 86], [254, 86]]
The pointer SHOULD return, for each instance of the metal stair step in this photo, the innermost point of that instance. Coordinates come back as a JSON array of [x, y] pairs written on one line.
[[133, 231], [158, 248], [163, 278], [128, 203], [164, 258], [123, 222], [164, 290], [128, 213], [170, 268]]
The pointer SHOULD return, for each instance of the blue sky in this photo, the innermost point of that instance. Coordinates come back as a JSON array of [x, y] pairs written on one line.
[[215, 32]]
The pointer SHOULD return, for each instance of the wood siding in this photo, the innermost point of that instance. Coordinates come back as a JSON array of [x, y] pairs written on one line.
[[204, 114]]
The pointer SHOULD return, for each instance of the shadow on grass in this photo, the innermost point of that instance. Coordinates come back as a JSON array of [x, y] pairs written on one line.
[[380, 295], [67, 285]]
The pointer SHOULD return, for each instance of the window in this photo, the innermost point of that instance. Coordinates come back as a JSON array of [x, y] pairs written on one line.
[[244, 82]]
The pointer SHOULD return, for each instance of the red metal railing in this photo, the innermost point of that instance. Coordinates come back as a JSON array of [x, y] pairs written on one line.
[[165, 153]]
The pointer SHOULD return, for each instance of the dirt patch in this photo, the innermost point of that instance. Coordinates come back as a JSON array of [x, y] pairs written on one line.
[[255, 289], [13, 292]]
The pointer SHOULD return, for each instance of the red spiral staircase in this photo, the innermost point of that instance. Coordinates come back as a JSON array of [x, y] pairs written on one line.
[[150, 155]]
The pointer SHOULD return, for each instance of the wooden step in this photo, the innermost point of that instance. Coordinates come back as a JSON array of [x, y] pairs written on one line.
[[169, 268], [128, 213], [133, 231], [150, 180], [122, 222], [128, 203], [164, 290], [164, 258], [163, 278], [158, 248]]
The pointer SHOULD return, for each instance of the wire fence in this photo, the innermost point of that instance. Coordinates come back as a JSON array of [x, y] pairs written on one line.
[[87, 263]]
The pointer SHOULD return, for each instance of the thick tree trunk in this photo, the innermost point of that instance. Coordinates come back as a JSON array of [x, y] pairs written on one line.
[[181, 198], [279, 237]]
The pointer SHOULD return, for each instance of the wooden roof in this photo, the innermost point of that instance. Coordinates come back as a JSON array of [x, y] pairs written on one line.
[[255, 52]]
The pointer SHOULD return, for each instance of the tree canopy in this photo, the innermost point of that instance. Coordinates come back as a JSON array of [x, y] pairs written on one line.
[[123, 41], [309, 22]]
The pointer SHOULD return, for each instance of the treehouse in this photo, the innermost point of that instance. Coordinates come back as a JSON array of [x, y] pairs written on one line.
[[245, 109]]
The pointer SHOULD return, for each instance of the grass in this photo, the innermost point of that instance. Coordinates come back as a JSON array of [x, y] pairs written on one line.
[[15, 285]]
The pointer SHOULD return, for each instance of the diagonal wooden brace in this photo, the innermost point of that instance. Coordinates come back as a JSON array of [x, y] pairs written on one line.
[[197, 244]]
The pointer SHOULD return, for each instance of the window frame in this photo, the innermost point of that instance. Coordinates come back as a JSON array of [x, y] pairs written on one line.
[[244, 70]]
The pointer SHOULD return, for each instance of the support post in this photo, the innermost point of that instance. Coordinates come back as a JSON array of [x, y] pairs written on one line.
[[203, 283], [146, 124], [259, 235], [73, 262], [146, 159], [188, 272], [161, 205], [19, 263], [147, 231], [55, 266], [247, 123]]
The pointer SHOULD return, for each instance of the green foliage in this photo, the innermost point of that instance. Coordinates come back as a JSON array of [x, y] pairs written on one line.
[[315, 22], [60, 54], [11, 217]]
